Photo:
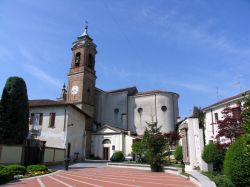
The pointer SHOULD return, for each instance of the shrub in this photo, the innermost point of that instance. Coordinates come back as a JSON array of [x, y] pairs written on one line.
[[237, 161], [17, 169], [212, 154], [117, 156], [178, 153], [220, 180], [5, 175], [223, 181], [36, 168]]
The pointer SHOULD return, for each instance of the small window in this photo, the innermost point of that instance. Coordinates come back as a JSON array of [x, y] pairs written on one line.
[[36, 119], [116, 111], [164, 108], [216, 117], [140, 110], [52, 117], [77, 59]]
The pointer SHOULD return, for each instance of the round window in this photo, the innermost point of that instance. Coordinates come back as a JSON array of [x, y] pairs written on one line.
[[140, 110], [164, 108]]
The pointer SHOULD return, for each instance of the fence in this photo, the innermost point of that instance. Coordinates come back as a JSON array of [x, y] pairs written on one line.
[[53, 155], [14, 154]]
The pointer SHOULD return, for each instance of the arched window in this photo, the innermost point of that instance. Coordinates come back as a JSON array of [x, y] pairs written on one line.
[[91, 62], [77, 59], [116, 110], [106, 141]]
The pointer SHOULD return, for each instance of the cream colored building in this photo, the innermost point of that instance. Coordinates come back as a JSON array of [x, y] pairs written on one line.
[[100, 122], [58, 123], [213, 114]]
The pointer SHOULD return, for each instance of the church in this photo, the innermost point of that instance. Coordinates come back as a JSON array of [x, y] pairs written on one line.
[[97, 122]]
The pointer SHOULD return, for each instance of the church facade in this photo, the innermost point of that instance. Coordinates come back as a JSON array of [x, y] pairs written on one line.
[[112, 119]]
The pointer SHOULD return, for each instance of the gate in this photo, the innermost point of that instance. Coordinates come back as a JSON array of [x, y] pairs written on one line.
[[33, 151]]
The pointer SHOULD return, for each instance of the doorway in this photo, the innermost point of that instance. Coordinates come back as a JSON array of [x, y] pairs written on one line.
[[106, 153]]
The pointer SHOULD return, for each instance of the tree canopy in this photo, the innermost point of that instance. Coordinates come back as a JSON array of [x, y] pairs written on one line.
[[14, 125]]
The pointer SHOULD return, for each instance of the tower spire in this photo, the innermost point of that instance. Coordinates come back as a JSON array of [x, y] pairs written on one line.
[[85, 33]]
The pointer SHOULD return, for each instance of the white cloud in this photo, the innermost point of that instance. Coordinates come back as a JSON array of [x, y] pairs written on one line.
[[43, 76]]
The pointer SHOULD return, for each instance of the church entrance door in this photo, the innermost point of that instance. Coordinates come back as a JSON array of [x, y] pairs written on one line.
[[106, 153]]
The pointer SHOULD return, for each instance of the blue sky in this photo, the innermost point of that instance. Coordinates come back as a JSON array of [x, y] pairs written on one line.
[[198, 49]]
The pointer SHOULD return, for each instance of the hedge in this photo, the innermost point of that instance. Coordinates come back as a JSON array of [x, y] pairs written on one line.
[[17, 169], [36, 168], [237, 161], [212, 154], [5, 175]]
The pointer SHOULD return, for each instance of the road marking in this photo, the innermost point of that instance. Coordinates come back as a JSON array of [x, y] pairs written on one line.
[[132, 180], [60, 181], [78, 180], [40, 182], [100, 180]]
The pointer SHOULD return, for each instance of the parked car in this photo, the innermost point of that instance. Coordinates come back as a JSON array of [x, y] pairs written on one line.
[[129, 157]]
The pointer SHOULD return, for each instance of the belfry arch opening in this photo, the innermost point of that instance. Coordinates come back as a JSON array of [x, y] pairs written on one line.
[[77, 59]]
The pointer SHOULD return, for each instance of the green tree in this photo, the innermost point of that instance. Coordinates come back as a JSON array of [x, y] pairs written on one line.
[[155, 147], [246, 115], [178, 153], [14, 127], [138, 147]]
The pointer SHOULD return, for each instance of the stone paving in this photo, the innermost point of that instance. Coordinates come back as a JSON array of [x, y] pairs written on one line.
[[98, 174]]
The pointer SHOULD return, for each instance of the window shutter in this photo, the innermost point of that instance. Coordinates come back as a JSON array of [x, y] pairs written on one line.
[[41, 119], [31, 118], [52, 119]]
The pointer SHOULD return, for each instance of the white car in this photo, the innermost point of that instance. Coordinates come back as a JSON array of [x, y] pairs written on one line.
[[128, 157]]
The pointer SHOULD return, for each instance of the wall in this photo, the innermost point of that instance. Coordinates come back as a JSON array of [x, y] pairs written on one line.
[[76, 134], [106, 103], [97, 146], [194, 145], [52, 155], [128, 145], [211, 127], [10, 154], [151, 105], [55, 136]]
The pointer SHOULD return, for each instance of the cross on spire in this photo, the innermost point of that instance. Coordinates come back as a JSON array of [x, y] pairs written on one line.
[[85, 33]]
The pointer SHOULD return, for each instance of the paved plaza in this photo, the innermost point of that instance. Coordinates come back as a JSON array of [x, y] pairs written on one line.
[[99, 174]]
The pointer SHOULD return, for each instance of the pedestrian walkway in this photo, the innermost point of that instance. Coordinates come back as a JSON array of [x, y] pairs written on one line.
[[105, 177]]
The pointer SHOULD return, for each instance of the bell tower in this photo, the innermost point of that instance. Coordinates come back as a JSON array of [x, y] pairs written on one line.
[[81, 81], [82, 75]]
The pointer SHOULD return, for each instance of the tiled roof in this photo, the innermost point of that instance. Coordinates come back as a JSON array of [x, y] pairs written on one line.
[[242, 94], [153, 92], [131, 90], [45, 102], [50, 103]]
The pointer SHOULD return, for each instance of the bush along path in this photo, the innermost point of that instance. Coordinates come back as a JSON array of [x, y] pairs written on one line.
[[11, 172]]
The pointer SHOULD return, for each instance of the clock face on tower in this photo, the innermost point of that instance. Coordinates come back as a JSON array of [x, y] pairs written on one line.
[[74, 89]]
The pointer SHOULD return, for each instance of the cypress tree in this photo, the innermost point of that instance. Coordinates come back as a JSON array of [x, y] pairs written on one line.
[[14, 127]]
